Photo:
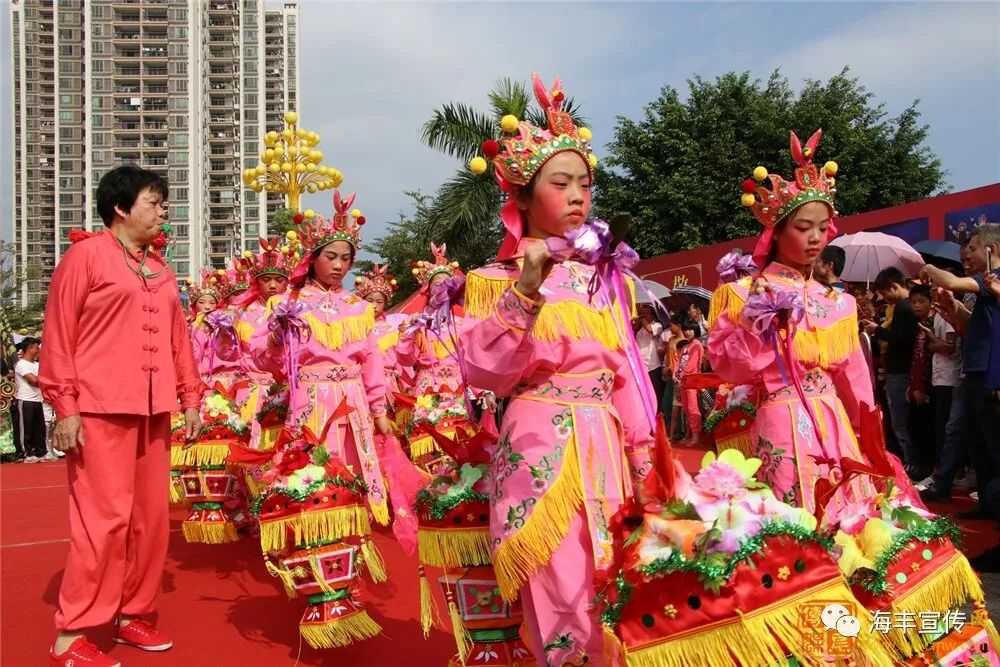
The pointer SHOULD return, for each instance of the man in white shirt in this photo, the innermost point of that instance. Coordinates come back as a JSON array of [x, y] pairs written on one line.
[[29, 417], [648, 336]]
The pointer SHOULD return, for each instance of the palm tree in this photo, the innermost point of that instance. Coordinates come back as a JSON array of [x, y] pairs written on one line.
[[465, 212]]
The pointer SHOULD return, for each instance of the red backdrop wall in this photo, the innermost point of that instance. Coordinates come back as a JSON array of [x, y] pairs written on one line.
[[915, 221]]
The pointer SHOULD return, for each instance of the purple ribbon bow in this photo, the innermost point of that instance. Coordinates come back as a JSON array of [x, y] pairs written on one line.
[[220, 326], [591, 244], [288, 326], [764, 312], [734, 265]]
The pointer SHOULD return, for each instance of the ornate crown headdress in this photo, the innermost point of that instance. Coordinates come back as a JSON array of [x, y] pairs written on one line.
[[273, 259], [376, 280], [207, 285], [425, 271], [771, 205], [521, 149], [235, 279], [315, 231]]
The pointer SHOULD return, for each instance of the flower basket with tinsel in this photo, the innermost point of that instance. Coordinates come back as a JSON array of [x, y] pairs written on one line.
[[443, 412], [732, 418], [727, 575], [272, 416]]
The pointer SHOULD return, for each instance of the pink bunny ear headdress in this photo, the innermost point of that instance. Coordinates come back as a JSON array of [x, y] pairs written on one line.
[[520, 149], [425, 271], [771, 205], [376, 280], [315, 231]]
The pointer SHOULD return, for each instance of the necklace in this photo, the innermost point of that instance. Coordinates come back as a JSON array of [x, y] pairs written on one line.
[[142, 271]]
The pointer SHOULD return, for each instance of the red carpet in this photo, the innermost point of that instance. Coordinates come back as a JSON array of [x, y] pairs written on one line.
[[219, 603]]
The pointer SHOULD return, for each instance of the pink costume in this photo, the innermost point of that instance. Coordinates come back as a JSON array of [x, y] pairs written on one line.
[[386, 333], [213, 337], [330, 357], [827, 362]]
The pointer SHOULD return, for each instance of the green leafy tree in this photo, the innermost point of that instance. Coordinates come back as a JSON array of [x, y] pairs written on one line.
[[13, 278], [281, 222], [678, 169]]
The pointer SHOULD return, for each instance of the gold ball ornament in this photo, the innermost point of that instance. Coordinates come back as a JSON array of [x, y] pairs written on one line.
[[221, 272], [213, 280], [454, 265], [415, 272], [291, 117], [270, 138], [268, 155], [301, 133], [585, 133], [309, 213], [260, 169], [592, 159], [477, 165], [287, 134], [274, 168], [292, 236], [831, 168], [311, 188], [748, 200], [760, 173], [286, 167], [293, 151], [356, 213], [393, 282], [279, 149], [247, 254], [337, 179], [509, 123]]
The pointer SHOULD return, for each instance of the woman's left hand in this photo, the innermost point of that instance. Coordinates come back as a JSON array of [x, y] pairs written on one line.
[[383, 425]]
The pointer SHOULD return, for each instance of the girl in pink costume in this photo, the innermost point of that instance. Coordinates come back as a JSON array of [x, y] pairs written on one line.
[[269, 273], [690, 362], [322, 339], [213, 336], [574, 437], [438, 389], [798, 340], [377, 287]]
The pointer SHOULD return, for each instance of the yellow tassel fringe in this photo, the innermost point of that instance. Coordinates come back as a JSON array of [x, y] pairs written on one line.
[[176, 490], [739, 442], [425, 444], [287, 576], [463, 641], [532, 546], [467, 547], [373, 561], [269, 438], [388, 341], [570, 319], [340, 632], [761, 637], [209, 533], [244, 330], [380, 511], [198, 455], [819, 347], [951, 587], [333, 335], [429, 614], [314, 527]]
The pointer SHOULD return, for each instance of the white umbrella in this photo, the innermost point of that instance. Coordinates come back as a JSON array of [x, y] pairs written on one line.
[[651, 291], [870, 252]]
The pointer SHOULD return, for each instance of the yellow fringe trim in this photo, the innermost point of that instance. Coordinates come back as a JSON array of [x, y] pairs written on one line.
[[761, 637], [466, 547], [441, 350], [198, 455], [314, 527], [429, 614], [820, 347], [269, 438], [739, 442], [333, 335], [380, 512], [287, 576], [388, 341], [176, 491], [463, 641], [425, 444], [531, 548], [373, 561], [951, 587], [340, 632], [570, 319], [244, 330], [209, 533], [318, 573]]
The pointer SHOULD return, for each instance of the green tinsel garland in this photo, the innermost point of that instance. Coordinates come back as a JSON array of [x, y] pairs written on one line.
[[438, 506], [713, 573], [715, 417], [940, 527], [356, 486]]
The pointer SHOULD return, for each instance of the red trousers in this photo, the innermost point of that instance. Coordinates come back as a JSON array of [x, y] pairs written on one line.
[[118, 516]]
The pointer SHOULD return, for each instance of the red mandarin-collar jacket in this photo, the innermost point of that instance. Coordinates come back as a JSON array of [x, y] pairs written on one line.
[[114, 343]]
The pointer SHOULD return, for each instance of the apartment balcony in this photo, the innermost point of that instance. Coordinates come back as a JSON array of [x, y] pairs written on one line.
[[127, 89], [127, 143], [217, 8], [221, 137], [127, 16], [123, 161], [155, 72], [127, 127], [128, 71], [217, 54], [126, 35], [117, 3], [127, 108], [220, 168], [222, 119], [156, 161], [217, 202], [155, 145], [155, 89], [154, 104], [155, 16], [154, 36], [154, 52], [221, 86], [121, 52], [221, 184], [216, 72]]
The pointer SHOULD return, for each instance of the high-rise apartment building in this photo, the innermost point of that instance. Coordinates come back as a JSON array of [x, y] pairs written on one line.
[[184, 87]]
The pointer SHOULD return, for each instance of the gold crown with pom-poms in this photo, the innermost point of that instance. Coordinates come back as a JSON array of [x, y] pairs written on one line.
[[274, 258], [208, 285], [376, 280], [523, 148], [315, 231], [771, 205], [425, 271]]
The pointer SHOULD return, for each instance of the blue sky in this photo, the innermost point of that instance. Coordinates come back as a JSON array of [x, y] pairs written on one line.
[[372, 72]]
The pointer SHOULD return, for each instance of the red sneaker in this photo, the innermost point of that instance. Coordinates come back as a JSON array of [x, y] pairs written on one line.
[[82, 653], [140, 634]]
